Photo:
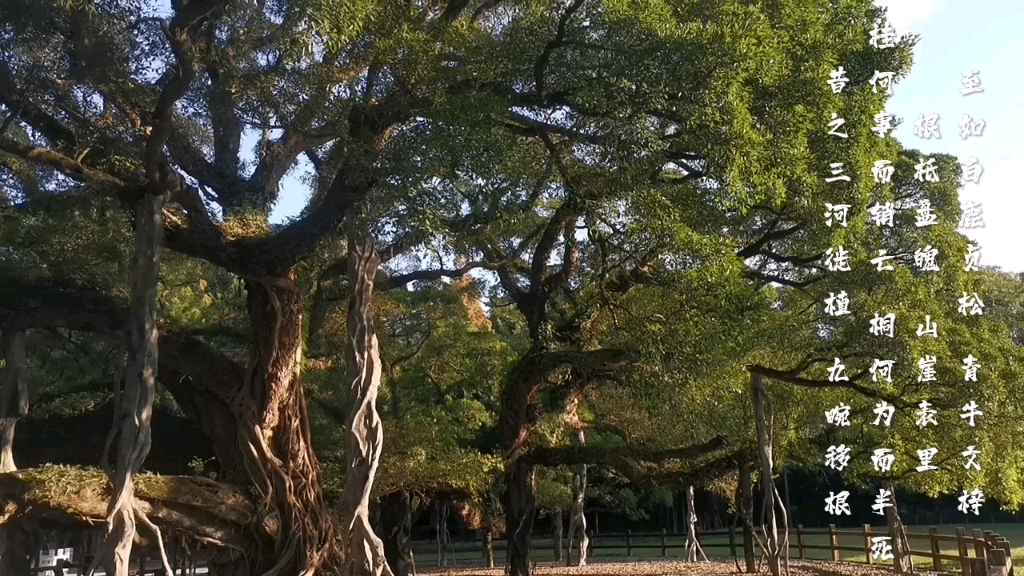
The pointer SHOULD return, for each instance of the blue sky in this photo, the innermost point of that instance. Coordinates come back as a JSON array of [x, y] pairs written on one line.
[[956, 35], [983, 35]]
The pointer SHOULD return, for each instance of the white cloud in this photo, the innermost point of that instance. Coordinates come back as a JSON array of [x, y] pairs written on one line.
[[904, 13]]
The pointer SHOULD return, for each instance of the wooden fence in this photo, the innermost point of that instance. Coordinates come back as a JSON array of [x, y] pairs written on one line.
[[980, 553]]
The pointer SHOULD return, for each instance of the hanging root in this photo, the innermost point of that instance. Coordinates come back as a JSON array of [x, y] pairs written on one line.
[[784, 545], [364, 551], [142, 518], [119, 361], [293, 517], [117, 545]]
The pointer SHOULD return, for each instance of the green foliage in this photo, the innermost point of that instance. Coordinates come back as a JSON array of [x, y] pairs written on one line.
[[87, 240], [619, 189]]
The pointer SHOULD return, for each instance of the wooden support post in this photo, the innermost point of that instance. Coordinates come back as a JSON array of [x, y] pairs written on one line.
[[997, 562], [800, 541], [962, 551], [833, 542], [979, 546], [629, 543], [1004, 545], [933, 537], [867, 544], [664, 544], [732, 541], [978, 567]]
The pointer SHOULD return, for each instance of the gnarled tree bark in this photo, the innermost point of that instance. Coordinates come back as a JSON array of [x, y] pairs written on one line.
[[255, 415], [364, 551], [14, 389], [297, 531]]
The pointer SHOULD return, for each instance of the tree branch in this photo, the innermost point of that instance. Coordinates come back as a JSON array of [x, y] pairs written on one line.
[[52, 129], [67, 166], [559, 41], [772, 235], [617, 456], [791, 377]]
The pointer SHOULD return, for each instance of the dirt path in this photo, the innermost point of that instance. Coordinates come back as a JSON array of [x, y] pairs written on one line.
[[623, 567]]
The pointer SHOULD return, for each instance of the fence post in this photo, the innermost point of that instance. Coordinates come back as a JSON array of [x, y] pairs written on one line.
[[978, 567], [867, 544], [961, 547], [933, 537], [833, 542], [1004, 545], [998, 560], [800, 541], [732, 541], [980, 548], [629, 543], [664, 545]]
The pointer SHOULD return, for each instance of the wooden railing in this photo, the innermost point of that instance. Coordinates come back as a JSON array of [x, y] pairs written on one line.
[[980, 553]]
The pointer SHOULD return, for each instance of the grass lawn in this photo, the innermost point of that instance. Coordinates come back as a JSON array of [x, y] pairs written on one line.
[[469, 553]]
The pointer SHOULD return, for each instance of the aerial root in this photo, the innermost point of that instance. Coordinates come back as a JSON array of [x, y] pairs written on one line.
[[141, 517]]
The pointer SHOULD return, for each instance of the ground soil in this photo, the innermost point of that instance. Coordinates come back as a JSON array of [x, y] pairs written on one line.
[[645, 567]]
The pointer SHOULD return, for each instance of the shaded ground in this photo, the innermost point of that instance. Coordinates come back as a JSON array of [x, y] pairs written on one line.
[[646, 567]]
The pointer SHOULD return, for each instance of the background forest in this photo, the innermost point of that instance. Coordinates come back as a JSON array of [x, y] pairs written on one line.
[[558, 257]]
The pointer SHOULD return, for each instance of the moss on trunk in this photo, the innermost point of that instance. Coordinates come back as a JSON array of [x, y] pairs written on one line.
[[209, 511]]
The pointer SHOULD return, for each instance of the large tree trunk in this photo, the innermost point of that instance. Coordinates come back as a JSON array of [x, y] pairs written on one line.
[[745, 507], [520, 509], [902, 561], [577, 517], [396, 515], [517, 418], [771, 528], [136, 408], [364, 551], [14, 389], [296, 529]]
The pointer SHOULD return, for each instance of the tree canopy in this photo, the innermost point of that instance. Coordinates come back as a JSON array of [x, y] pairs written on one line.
[[526, 222]]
